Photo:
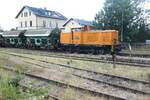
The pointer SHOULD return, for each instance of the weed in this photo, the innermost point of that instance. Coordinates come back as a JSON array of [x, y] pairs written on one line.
[[10, 89], [69, 94], [15, 81]]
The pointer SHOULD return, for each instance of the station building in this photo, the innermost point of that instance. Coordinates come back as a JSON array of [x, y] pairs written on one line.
[[39, 18]]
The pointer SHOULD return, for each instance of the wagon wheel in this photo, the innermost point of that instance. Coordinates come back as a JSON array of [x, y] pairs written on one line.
[[93, 51], [101, 51]]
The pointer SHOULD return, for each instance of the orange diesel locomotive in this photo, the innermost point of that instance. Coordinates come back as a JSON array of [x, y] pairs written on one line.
[[89, 41]]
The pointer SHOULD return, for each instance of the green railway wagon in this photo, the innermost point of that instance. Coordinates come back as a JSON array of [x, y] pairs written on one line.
[[42, 38], [32, 39], [12, 38]]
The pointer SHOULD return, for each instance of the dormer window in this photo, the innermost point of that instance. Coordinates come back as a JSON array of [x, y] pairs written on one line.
[[25, 14], [49, 13], [46, 13]]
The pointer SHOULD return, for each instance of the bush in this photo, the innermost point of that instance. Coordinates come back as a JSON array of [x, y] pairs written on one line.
[[10, 89], [15, 81]]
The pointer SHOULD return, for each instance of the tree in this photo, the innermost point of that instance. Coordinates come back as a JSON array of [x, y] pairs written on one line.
[[122, 15], [12, 29], [23, 38], [55, 37]]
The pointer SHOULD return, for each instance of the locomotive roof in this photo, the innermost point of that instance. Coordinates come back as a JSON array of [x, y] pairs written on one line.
[[44, 13], [13, 33], [39, 32]]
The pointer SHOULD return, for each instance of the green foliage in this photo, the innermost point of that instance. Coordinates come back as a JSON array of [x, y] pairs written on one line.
[[15, 81], [37, 92], [55, 33], [10, 90], [55, 37], [126, 16], [12, 29], [23, 38]]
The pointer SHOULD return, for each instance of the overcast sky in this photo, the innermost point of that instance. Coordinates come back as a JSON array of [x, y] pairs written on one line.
[[83, 9]]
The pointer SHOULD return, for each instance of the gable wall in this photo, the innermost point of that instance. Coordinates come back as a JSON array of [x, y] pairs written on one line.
[[71, 24], [28, 19], [37, 21]]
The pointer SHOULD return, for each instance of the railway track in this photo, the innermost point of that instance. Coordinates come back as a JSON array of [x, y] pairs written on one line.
[[134, 55], [121, 60], [107, 79], [131, 61], [97, 77], [108, 96], [53, 97], [103, 59]]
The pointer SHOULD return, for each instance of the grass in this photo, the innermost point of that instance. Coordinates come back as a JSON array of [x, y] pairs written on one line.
[[7, 61], [14, 92], [137, 51], [9, 82], [69, 93], [148, 76], [11, 90]]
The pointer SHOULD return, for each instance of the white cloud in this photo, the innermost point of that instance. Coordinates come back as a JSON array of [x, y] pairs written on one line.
[[84, 9]]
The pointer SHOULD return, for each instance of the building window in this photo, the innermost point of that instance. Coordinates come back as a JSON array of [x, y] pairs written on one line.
[[30, 13], [44, 23], [56, 24], [25, 14], [50, 24], [21, 24], [49, 13], [25, 23], [30, 23], [21, 14]]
